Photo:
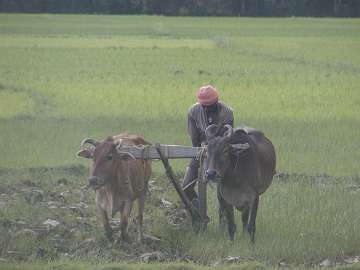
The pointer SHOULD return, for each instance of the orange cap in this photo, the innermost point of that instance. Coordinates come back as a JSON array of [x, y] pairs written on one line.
[[207, 95]]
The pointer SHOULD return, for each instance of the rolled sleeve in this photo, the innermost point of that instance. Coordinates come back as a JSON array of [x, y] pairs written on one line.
[[194, 132]]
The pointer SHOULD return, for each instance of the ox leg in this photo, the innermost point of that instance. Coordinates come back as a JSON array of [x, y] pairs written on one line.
[[228, 211], [252, 219], [245, 218], [141, 204], [125, 214], [105, 221], [221, 208]]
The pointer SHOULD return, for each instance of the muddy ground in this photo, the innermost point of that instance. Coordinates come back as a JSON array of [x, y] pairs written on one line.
[[49, 213]]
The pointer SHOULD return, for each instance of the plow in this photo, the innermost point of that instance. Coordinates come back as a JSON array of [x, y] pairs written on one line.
[[165, 152]]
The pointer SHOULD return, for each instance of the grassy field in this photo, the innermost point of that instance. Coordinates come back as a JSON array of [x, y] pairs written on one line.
[[66, 77], [123, 266]]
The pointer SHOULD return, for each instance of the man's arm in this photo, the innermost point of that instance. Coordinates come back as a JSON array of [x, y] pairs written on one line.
[[228, 121], [231, 118], [194, 132]]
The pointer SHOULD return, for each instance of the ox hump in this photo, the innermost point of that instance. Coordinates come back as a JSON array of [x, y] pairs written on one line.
[[250, 130], [130, 139]]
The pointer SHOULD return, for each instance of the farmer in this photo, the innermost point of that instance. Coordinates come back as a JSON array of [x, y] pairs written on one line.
[[207, 111]]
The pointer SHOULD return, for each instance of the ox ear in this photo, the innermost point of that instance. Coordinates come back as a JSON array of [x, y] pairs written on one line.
[[85, 153], [239, 148]]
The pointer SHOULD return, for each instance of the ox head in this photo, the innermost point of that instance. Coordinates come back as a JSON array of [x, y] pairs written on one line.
[[221, 152], [105, 160]]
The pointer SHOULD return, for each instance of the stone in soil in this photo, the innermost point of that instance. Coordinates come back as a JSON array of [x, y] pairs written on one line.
[[152, 257], [51, 223]]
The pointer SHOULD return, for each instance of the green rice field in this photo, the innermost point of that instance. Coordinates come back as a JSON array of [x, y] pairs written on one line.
[[66, 77]]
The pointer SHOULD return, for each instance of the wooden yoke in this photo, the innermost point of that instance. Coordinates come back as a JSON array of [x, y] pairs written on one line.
[[168, 151]]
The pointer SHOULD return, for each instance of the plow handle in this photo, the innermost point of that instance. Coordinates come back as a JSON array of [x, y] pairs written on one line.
[[170, 174]]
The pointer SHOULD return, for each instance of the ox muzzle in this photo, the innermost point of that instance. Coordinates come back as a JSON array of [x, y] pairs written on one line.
[[212, 175]]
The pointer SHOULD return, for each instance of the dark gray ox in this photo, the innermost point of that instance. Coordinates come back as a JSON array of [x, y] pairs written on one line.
[[243, 161], [118, 180]]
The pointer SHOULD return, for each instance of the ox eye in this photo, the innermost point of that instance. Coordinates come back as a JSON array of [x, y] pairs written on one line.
[[109, 157]]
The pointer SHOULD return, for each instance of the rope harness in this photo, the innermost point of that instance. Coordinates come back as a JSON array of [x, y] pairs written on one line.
[[201, 156]]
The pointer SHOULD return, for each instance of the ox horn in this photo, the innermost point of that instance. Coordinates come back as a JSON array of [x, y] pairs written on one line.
[[228, 131], [89, 141], [211, 131]]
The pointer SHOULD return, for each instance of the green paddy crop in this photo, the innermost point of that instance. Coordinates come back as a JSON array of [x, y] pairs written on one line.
[[66, 77], [75, 76]]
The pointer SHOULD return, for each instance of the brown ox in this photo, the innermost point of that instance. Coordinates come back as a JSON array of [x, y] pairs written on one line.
[[118, 180]]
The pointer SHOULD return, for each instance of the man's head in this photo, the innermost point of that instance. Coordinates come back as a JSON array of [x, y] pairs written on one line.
[[207, 95]]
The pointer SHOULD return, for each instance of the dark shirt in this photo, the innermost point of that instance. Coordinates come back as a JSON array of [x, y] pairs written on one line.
[[200, 117]]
